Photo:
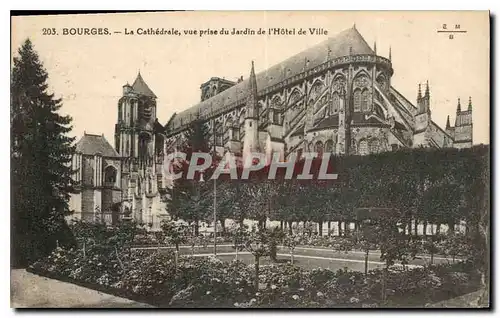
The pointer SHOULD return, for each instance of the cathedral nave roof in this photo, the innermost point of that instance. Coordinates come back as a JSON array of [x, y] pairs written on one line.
[[347, 42]]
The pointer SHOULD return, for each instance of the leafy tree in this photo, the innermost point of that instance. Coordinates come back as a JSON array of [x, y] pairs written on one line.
[[258, 243], [239, 235], [190, 199], [455, 244], [175, 233], [41, 154], [291, 241], [367, 239]]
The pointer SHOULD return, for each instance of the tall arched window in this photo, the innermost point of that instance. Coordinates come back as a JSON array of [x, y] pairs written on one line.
[[318, 147], [144, 140], [363, 147], [357, 100], [228, 130], [276, 106], [329, 146], [299, 153], [374, 146], [110, 175], [159, 143], [120, 115], [236, 130], [295, 105], [218, 134], [365, 106], [335, 103]]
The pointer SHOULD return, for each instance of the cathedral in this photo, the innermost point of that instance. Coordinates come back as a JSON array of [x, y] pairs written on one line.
[[334, 97]]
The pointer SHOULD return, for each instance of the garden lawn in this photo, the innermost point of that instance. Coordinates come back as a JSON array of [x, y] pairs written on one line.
[[306, 257]]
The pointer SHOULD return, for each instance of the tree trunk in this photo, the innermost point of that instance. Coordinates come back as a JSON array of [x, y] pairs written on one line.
[[438, 229], [196, 228], [416, 227], [281, 225], [320, 228], [384, 283], [366, 261], [257, 263], [329, 227], [425, 229], [339, 227], [290, 227], [347, 226], [223, 225], [451, 227]]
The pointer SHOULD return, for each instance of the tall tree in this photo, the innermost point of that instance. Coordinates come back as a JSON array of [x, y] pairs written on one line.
[[190, 199], [41, 154]]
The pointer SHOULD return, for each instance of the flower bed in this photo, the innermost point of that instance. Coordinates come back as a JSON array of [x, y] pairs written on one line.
[[163, 280]]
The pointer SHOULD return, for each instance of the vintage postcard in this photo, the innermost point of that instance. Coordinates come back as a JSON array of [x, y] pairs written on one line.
[[314, 159]]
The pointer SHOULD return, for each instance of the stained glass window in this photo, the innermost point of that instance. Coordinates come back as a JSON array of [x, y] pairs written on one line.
[[357, 100], [335, 103], [365, 106]]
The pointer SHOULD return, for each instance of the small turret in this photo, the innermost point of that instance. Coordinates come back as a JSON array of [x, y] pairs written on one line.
[[463, 126], [448, 122], [423, 102], [126, 88]]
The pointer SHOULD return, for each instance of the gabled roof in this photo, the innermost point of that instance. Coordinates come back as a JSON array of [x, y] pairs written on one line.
[[346, 42], [141, 87], [95, 144]]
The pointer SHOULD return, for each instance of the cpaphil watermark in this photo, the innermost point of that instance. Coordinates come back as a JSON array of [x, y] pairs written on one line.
[[311, 165]]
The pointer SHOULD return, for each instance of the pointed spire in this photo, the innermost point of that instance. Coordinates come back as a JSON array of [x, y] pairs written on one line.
[[354, 26], [448, 122], [251, 99], [419, 96], [141, 87], [458, 106], [469, 108], [390, 53], [427, 89], [375, 47], [252, 80]]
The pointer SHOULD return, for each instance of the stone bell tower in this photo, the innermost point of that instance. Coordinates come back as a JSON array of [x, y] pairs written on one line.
[[135, 140]]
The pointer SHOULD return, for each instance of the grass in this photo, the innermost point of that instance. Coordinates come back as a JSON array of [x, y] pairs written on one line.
[[306, 257]]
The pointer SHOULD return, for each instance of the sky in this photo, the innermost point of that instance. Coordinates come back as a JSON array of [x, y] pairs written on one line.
[[88, 71]]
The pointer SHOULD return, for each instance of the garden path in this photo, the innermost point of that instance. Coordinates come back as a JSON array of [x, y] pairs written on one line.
[[32, 291]]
